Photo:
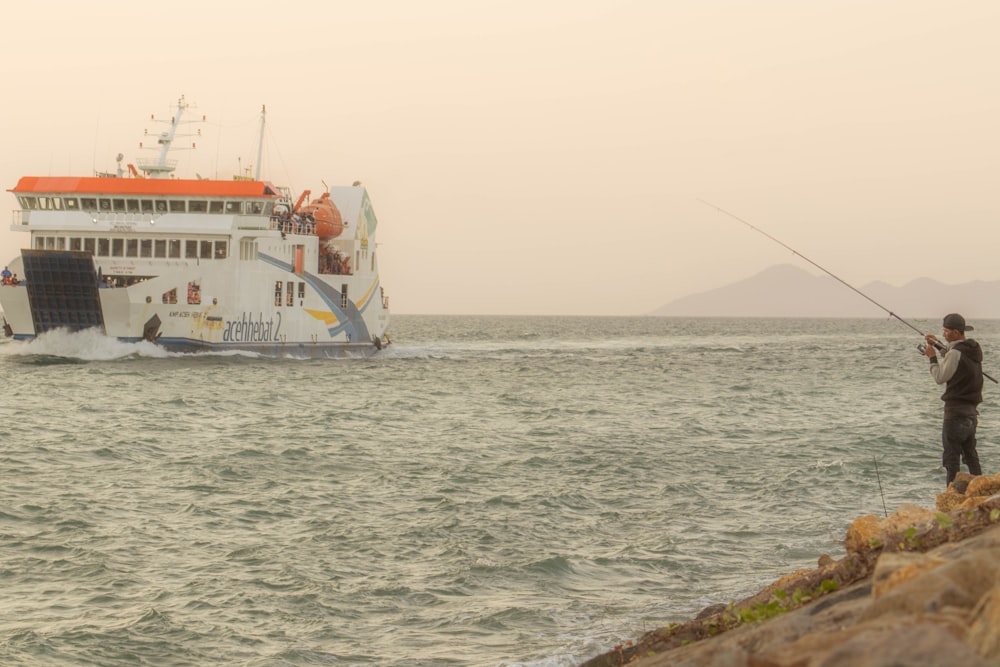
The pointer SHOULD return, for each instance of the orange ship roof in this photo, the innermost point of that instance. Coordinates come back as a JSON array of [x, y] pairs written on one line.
[[167, 187]]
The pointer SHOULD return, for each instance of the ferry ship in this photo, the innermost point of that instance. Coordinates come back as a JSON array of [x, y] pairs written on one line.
[[197, 264]]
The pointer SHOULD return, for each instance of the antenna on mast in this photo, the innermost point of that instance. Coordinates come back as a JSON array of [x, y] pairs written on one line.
[[260, 141], [161, 167]]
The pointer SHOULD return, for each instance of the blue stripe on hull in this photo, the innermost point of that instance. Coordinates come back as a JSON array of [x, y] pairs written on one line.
[[351, 321], [306, 350]]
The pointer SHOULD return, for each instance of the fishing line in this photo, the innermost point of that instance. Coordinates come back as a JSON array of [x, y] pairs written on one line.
[[879, 478], [840, 280]]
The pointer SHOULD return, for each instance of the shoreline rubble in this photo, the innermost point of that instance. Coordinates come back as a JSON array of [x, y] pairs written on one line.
[[920, 587]]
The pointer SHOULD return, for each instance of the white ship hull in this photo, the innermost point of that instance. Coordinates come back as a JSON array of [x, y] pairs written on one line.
[[198, 265]]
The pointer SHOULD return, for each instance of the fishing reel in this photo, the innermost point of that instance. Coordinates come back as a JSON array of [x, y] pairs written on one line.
[[923, 347]]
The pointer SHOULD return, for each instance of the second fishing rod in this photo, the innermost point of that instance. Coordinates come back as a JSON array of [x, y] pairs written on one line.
[[840, 280]]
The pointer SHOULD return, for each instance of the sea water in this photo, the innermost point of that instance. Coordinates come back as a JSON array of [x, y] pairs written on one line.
[[485, 491]]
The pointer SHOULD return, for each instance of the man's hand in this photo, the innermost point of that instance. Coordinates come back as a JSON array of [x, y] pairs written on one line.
[[931, 350]]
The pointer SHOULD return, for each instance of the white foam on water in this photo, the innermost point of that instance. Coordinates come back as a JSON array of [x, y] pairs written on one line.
[[92, 345]]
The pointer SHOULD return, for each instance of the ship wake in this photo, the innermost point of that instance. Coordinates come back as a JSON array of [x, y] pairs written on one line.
[[92, 345]]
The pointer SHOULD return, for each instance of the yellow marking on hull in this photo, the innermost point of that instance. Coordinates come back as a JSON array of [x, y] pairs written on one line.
[[325, 316], [368, 294]]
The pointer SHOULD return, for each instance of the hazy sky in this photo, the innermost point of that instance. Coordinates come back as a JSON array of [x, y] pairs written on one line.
[[547, 157]]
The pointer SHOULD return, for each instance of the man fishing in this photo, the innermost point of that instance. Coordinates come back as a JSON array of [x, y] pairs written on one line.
[[961, 371]]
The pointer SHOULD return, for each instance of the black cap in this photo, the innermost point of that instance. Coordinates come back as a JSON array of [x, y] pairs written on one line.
[[956, 322]]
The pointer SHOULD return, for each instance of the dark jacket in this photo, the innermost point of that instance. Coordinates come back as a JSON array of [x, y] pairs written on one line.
[[964, 390]]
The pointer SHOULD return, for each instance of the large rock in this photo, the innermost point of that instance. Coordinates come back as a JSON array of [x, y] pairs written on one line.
[[968, 491], [920, 588], [984, 631], [984, 485], [861, 534]]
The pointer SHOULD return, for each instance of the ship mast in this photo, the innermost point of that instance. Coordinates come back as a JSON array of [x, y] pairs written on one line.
[[167, 138], [161, 167], [260, 141]]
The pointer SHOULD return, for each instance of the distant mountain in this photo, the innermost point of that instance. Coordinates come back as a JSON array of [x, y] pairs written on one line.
[[786, 290]]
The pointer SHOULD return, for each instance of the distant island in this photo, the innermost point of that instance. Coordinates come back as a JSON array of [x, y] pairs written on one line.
[[786, 290]]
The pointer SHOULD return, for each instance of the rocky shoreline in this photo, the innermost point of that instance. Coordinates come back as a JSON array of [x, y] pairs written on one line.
[[920, 587]]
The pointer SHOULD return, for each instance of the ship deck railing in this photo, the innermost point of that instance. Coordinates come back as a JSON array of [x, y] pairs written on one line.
[[289, 226]]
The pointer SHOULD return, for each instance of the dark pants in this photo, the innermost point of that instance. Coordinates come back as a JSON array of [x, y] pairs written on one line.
[[958, 436]]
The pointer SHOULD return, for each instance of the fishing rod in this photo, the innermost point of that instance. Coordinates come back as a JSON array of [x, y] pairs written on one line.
[[843, 282], [879, 478]]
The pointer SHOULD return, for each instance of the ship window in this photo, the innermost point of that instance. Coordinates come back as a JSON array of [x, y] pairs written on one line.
[[72, 203], [221, 249], [255, 207], [29, 203], [117, 247], [57, 203], [198, 206], [50, 243], [103, 248], [277, 293], [302, 290], [88, 203], [161, 206], [191, 249], [206, 250], [194, 293], [146, 205], [88, 245], [118, 204], [43, 203], [290, 294], [146, 248], [132, 205], [177, 205], [216, 206], [174, 246], [75, 243], [343, 296], [131, 247], [170, 296], [60, 243], [40, 243], [104, 204], [160, 248], [235, 207]]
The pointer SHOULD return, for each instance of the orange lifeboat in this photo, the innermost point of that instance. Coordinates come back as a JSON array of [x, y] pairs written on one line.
[[324, 212]]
